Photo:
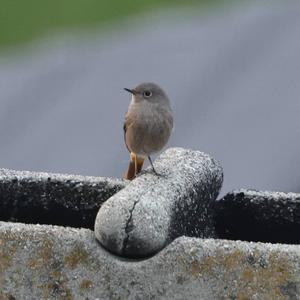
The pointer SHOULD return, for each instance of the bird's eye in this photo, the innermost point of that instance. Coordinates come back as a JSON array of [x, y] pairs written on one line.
[[147, 94]]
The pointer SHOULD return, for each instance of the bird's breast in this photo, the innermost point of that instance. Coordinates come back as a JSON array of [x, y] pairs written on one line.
[[151, 128]]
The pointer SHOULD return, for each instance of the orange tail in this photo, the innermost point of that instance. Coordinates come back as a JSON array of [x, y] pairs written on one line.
[[134, 167]]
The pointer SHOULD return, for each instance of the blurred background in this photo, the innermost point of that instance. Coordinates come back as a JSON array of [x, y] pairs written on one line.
[[230, 68]]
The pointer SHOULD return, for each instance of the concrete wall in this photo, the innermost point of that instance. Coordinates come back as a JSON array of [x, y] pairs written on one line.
[[49, 262], [153, 217]]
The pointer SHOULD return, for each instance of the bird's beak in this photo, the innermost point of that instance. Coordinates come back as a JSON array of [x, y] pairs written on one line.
[[130, 91]]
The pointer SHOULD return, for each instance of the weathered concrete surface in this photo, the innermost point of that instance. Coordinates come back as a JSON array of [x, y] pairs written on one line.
[[48, 262], [259, 216], [56, 199], [153, 210]]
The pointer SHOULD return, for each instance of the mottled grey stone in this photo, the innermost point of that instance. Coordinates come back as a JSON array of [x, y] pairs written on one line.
[[50, 262], [153, 210], [47, 198], [259, 216]]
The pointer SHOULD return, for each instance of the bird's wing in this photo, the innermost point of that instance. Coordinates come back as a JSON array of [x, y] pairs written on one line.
[[126, 125]]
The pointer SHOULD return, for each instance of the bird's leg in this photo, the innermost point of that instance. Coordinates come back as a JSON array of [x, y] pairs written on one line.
[[152, 165]]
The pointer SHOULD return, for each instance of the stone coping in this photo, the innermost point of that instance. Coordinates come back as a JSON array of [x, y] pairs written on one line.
[[60, 262], [52, 262], [39, 197]]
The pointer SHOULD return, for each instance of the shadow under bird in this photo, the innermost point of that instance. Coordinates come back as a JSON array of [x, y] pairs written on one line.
[[148, 125]]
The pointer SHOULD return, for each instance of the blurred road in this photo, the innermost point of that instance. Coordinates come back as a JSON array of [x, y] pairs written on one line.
[[233, 78]]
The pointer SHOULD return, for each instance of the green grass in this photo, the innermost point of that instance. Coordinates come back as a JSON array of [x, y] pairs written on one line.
[[24, 20]]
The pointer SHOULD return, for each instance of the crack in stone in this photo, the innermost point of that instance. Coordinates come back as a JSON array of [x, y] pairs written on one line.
[[128, 226]]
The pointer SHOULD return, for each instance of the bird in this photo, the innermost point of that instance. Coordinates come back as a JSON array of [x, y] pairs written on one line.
[[148, 125]]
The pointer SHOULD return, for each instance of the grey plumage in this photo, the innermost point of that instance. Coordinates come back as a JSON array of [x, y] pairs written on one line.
[[148, 122]]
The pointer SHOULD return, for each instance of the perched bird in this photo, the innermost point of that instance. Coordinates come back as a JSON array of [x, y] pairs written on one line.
[[148, 125]]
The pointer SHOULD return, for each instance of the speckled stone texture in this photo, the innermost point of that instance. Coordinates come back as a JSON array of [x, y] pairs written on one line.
[[47, 198], [48, 262], [259, 216], [153, 210]]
